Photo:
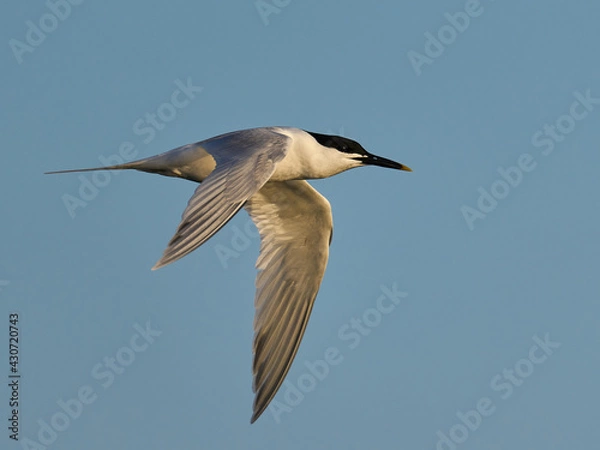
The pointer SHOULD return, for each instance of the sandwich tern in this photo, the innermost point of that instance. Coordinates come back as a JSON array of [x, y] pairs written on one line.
[[264, 170]]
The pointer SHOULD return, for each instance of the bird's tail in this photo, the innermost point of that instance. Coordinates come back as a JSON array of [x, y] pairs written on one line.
[[141, 164], [163, 164], [91, 169]]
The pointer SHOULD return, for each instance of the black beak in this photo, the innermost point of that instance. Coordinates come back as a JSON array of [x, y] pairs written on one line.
[[373, 160]]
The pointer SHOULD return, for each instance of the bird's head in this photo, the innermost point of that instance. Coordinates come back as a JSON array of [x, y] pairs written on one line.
[[354, 154]]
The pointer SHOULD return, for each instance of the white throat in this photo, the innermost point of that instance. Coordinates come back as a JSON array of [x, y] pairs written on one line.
[[307, 159]]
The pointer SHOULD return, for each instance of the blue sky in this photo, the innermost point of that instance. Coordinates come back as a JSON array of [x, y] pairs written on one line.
[[490, 248]]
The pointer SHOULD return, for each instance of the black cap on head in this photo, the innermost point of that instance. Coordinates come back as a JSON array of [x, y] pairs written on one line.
[[340, 143], [349, 146]]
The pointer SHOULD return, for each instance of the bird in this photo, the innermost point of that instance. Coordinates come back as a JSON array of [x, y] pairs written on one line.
[[264, 170]]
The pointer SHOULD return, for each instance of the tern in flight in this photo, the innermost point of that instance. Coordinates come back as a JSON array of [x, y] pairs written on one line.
[[264, 170]]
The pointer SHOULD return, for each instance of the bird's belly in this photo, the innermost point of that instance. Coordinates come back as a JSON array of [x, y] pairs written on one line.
[[290, 168], [197, 168], [286, 174]]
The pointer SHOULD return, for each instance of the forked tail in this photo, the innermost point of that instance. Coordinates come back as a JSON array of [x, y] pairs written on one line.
[[52, 172], [163, 164], [187, 162]]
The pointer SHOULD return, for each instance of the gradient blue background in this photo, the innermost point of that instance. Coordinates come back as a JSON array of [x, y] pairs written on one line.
[[475, 298]]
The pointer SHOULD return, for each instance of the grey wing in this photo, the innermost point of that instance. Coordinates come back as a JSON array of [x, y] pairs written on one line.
[[245, 160], [295, 226]]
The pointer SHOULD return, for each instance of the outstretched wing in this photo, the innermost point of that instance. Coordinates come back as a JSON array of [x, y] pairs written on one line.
[[295, 226], [245, 160]]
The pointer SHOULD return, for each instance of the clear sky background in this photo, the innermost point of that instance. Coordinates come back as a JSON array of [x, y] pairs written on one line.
[[479, 298]]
